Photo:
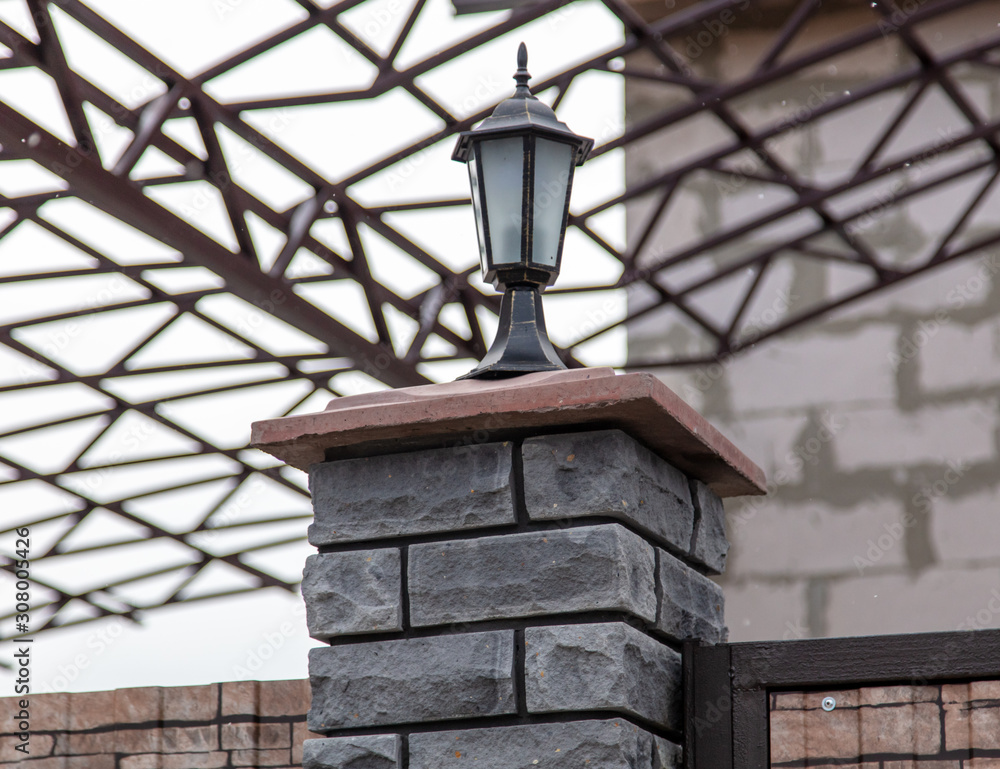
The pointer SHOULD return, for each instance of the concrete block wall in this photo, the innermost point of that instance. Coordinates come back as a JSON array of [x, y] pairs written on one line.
[[878, 425], [246, 724], [882, 513], [518, 603], [880, 439]]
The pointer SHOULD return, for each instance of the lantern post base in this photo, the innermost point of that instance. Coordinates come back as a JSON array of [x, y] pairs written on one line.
[[522, 344]]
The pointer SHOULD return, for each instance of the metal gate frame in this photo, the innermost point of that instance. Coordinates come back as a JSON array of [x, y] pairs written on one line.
[[726, 686]]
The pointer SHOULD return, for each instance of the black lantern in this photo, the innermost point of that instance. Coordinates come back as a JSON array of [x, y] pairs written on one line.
[[521, 162]]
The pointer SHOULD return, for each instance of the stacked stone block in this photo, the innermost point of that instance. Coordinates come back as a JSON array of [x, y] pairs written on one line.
[[515, 603]]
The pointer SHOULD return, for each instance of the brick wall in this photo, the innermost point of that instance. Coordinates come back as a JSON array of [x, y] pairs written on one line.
[[949, 726], [233, 724]]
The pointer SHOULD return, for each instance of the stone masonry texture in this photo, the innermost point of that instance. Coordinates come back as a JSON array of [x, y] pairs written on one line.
[[375, 751], [614, 744], [235, 724], [608, 666], [415, 493], [507, 647], [531, 574], [691, 605], [607, 473], [412, 680], [354, 592], [710, 543]]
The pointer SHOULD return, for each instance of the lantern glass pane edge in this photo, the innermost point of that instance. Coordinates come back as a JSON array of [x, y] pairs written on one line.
[[477, 207], [553, 174], [501, 174]]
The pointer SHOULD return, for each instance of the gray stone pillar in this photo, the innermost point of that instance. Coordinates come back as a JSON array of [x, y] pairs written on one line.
[[507, 570]]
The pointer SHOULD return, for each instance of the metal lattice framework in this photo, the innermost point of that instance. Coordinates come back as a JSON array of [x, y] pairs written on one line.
[[142, 335]]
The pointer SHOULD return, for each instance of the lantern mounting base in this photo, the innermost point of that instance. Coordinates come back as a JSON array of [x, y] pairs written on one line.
[[522, 345]]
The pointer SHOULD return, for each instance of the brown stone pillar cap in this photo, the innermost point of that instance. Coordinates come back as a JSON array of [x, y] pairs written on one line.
[[478, 411]]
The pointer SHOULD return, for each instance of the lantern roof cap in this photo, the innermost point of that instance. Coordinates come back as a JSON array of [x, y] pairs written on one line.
[[523, 113]]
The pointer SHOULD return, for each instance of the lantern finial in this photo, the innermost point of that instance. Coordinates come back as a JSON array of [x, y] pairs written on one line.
[[521, 77]]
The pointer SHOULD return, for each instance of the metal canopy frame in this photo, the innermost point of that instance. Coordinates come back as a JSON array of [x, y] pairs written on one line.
[[646, 267]]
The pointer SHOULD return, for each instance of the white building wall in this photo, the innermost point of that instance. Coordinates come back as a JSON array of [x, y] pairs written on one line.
[[877, 425]]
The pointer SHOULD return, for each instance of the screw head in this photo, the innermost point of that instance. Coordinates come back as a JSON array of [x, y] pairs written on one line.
[[829, 703]]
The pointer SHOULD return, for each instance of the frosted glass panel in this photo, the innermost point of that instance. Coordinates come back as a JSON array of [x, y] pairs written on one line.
[[478, 208], [502, 173], [553, 164]]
